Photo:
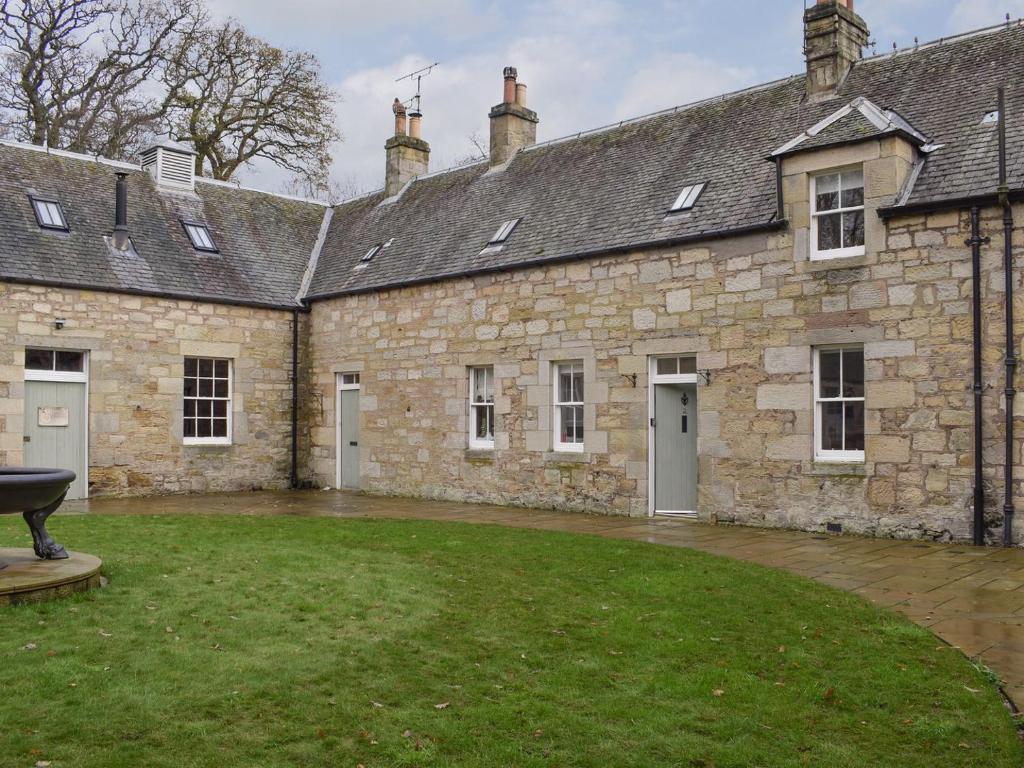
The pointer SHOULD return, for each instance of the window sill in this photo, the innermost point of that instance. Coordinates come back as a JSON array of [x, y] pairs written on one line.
[[566, 457], [838, 262], [200, 443], [844, 468], [479, 455]]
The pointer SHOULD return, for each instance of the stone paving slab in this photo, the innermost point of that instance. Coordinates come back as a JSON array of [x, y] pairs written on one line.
[[973, 598]]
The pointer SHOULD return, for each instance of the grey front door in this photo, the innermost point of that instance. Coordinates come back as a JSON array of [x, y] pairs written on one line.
[[348, 457], [675, 447], [55, 429]]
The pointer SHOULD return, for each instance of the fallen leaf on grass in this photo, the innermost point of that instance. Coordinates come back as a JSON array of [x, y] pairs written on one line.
[[29, 647], [442, 705], [718, 692], [104, 633], [972, 690]]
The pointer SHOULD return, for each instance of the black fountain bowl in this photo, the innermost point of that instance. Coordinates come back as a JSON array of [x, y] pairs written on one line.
[[23, 489]]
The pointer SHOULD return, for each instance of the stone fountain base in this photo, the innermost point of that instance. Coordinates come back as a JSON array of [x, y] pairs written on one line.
[[24, 578]]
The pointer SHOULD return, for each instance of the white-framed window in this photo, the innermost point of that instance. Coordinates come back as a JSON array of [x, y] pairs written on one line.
[[349, 381], [839, 403], [688, 197], [55, 365], [568, 382], [207, 401], [481, 407], [837, 214]]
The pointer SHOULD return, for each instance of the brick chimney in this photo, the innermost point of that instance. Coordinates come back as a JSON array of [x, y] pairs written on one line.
[[834, 37], [513, 126], [408, 156]]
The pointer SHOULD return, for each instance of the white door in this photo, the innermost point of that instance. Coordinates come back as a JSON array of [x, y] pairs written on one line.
[[673, 437], [348, 431], [57, 414]]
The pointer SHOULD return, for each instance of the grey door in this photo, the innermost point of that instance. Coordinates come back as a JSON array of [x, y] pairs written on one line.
[[55, 429], [349, 448], [675, 447]]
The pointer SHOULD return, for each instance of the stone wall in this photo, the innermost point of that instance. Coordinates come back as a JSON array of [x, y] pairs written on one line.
[[751, 309], [136, 346]]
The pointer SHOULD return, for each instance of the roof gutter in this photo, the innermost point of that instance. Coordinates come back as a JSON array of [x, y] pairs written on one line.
[[933, 206], [770, 226], [155, 294]]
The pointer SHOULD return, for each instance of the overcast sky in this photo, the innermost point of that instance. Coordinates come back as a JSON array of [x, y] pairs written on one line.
[[586, 62]]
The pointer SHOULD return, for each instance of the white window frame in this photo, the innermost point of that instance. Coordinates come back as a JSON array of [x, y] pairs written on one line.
[[688, 197], [560, 446], [835, 253], [226, 440], [41, 374], [477, 443], [820, 454]]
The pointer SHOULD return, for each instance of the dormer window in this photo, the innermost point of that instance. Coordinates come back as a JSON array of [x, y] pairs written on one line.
[[688, 198], [199, 235], [504, 232], [837, 214], [49, 214]]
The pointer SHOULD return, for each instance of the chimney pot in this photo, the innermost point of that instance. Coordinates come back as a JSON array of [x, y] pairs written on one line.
[[414, 124], [521, 94], [399, 109], [509, 95], [121, 239]]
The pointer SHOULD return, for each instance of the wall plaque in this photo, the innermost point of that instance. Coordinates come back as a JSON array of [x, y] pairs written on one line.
[[53, 416]]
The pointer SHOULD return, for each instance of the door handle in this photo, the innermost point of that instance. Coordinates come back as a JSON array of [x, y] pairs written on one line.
[[27, 439], [353, 442], [684, 424]]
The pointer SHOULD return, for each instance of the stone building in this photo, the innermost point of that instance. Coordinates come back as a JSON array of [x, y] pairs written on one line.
[[755, 309]]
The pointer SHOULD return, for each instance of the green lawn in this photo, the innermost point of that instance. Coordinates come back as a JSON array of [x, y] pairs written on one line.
[[235, 641]]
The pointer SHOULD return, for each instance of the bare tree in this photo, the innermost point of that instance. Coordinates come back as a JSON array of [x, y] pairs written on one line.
[[332, 190], [79, 74], [238, 98]]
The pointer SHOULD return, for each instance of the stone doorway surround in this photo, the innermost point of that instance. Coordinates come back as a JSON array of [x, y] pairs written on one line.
[[970, 597]]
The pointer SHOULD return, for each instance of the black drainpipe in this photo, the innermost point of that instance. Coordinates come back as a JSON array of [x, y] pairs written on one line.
[[1011, 352], [295, 400], [121, 240], [976, 242]]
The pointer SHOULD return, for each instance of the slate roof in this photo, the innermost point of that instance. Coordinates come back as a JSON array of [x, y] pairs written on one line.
[[610, 190], [856, 121], [265, 240]]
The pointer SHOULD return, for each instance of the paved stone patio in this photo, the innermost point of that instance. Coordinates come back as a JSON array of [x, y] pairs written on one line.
[[973, 598]]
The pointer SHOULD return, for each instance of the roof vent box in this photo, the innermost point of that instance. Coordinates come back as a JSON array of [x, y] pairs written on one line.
[[170, 164]]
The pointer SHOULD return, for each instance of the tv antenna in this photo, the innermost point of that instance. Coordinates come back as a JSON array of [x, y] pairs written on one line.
[[419, 74]]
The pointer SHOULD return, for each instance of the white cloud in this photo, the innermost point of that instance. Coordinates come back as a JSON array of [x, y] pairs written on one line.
[[343, 17], [669, 79], [584, 64], [974, 14]]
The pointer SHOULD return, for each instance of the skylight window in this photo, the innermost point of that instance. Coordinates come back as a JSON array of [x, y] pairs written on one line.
[[688, 197], [49, 214], [200, 236], [368, 256], [504, 232]]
